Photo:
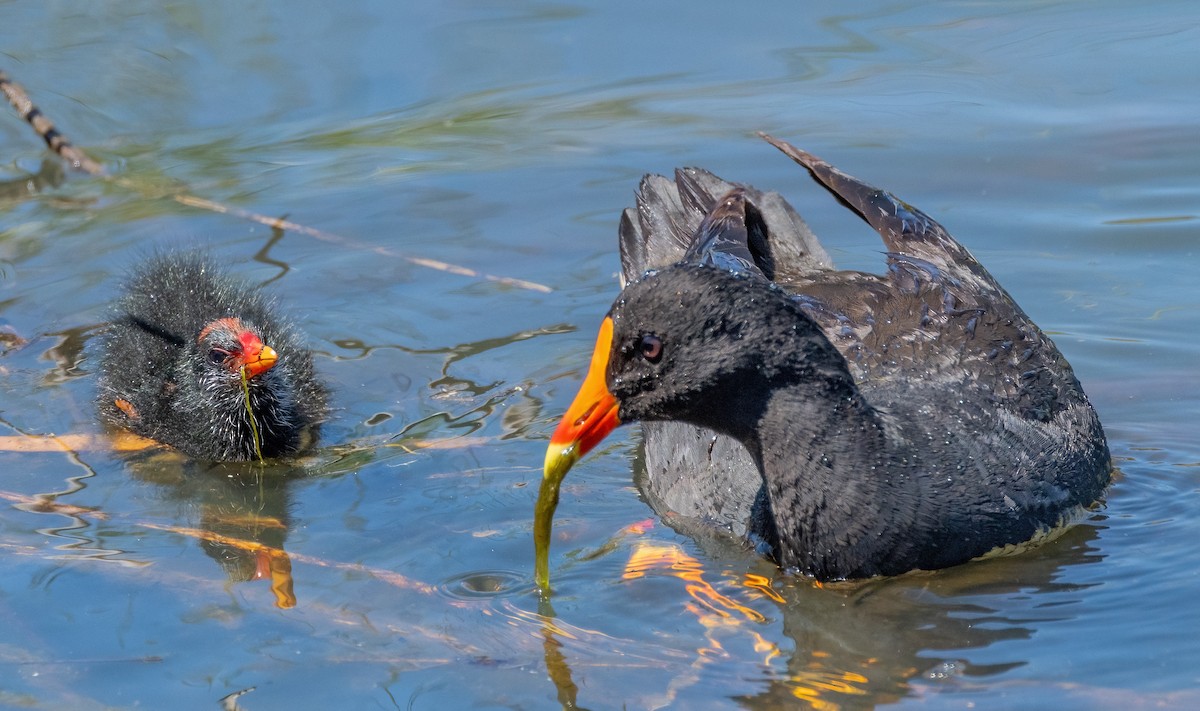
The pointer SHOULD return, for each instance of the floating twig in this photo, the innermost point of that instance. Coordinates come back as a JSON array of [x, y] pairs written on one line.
[[72, 443], [45, 127], [79, 160]]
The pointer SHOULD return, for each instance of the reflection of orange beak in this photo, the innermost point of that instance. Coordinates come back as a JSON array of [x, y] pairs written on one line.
[[276, 564], [589, 419], [591, 416]]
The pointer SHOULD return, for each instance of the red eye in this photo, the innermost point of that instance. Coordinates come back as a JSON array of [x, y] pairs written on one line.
[[652, 347]]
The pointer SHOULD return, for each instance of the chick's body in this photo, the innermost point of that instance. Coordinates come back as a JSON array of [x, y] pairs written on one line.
[[172, 361]]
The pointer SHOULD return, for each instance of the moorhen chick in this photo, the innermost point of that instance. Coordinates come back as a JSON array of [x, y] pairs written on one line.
[[865, 424], [185, 347]]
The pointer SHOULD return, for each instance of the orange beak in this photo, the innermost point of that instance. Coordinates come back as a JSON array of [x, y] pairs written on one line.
[[257, 357], [591, 416], [589, 419], [252, 355]]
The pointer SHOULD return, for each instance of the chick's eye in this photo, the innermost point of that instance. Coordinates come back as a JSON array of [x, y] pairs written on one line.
[[651, 347], [217, 355]]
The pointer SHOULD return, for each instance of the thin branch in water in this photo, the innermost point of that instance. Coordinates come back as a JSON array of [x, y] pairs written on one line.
[[289, 226], [86, 661], [72, 443], [80, 161], [47, 504], [385, 576], [45, 127]]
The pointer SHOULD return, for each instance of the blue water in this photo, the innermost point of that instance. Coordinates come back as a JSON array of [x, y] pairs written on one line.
[[1057, 140]]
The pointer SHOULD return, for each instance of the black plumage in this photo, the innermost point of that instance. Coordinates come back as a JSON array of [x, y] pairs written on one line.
[[865, 424], [171, 362]]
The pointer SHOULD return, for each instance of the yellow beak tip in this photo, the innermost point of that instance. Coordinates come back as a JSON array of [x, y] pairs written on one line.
[[559, 460]]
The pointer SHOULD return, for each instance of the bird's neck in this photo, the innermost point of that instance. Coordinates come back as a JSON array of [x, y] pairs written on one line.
[[841, 490]]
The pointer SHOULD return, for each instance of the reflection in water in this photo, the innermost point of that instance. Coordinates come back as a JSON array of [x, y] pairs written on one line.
[[9, 339], [521, 410], [245, 536], [80, 537], [455, 354], [242, 515], [557, 666], [422, 433], [499, 585], [858, 645], [853, 645], [50, 175], [66, 354]]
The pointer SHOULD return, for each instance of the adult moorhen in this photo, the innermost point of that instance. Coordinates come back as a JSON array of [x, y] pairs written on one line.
[[868, 425], [186, 346]]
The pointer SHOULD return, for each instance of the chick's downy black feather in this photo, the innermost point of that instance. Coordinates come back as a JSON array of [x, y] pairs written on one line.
[[171, 365]]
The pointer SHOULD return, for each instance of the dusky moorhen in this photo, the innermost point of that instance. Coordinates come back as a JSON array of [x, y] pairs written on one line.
[[171, 365], [864, 424]]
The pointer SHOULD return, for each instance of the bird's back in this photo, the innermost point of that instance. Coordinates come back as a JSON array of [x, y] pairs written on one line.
[[934, 340]]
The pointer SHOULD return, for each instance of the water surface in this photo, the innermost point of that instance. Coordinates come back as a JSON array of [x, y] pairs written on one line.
[[392, 568]]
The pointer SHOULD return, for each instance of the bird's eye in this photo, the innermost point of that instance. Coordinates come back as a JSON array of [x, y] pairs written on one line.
[[651, 347], [218, 355]]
